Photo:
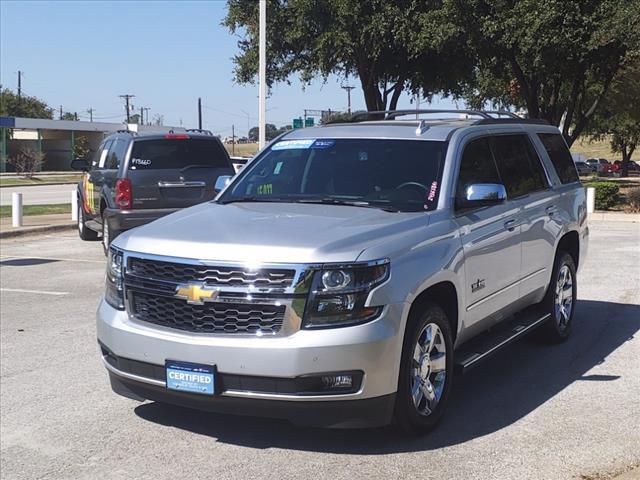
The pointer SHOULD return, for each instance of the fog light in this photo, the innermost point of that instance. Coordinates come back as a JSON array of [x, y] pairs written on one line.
[[337, 381]]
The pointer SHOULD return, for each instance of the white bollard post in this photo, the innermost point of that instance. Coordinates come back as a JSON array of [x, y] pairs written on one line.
[[74, 206], [591, 200], [16, 209]]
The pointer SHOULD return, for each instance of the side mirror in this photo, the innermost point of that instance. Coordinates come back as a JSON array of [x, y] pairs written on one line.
[[482, 195], [80, 164], [221, 182]]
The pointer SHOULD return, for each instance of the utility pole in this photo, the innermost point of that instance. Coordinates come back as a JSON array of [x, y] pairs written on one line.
[[19, 86], [199, 113], [233, 139], [141, 119], [60, 112], [126, 99], [262, 73], [90, 112], [146, 109], [348, 88], [75, 116]]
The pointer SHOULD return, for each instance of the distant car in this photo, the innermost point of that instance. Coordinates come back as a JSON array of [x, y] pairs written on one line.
[[134, 179], [597, 163], [239, 163], [633, 166], [583, 168]]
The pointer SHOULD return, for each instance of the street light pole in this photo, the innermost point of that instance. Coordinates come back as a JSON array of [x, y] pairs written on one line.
[[262, 93]]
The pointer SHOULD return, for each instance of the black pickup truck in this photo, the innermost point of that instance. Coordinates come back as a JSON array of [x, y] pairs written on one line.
[[134, 179]]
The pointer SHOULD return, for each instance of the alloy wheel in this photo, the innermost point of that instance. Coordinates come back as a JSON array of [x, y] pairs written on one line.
[[563, 303], [428, 372]]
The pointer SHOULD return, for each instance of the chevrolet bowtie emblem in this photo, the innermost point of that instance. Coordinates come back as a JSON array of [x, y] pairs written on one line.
[[195, 294]]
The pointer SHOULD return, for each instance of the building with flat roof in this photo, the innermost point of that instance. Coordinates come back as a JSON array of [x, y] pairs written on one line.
[[57, 138]]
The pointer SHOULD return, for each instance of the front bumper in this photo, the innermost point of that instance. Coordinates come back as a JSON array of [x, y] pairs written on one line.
[[126, 219], [373, 348]]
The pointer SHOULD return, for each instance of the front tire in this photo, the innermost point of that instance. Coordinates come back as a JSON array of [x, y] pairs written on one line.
[[84, 232], [560, 300], [426, 372]]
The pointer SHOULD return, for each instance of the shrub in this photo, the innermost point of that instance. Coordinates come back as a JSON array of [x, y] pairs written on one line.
[[27, 162], [606, 194], [633, 195]]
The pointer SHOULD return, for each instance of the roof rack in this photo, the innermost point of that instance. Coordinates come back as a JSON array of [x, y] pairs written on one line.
[[130, 132], [486, 116], [200, 130]]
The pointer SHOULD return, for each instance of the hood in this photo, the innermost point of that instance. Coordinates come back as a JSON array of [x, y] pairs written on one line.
[[269, 232]]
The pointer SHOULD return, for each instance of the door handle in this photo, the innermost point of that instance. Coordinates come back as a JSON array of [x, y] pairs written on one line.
[[551, 209], [510, 225]]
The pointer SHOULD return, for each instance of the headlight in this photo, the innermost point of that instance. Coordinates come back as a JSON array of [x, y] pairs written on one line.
[[114, 294], [338, 295]]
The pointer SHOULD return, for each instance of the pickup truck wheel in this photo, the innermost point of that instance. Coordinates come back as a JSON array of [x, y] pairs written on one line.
[[560, 300], [84, 232], [426, 372]]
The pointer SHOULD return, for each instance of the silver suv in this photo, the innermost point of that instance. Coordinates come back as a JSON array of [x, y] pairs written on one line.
[[344, 275]]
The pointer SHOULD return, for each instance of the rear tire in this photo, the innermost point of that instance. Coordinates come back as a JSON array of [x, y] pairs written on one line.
[[108, 235], [560, 300], [426, 372], [85, 232]]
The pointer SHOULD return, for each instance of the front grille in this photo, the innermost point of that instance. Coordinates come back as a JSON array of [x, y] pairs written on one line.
[[212, 317], [214, 276]]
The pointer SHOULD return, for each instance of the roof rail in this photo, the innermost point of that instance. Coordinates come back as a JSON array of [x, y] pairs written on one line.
[[131, 132], [200, 130], [392, 114]]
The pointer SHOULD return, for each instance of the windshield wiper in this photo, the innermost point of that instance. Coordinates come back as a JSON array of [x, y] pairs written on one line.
[[351, 203], [253, 198]]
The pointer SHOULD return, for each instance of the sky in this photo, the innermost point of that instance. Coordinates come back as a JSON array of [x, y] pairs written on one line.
[[84, 54]]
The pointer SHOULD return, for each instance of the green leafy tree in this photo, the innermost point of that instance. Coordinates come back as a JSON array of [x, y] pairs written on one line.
[[25, 106], [81, 147], [376, 40], [618, 120], [271, 132], [68, 116], [556, 58]]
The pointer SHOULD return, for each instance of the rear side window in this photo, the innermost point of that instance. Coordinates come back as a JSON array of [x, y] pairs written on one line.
[[518, 164], [177, 153], [560, 156], [476, 166], [116, 154]]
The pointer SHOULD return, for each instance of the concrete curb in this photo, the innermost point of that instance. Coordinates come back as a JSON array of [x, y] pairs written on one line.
[[25, 231], [39, 185]]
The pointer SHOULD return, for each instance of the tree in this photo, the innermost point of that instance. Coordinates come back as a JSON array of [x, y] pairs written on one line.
[[135, 118], [68, 116], [81, 147], [271, 132], [619, 118], [556, 58], [25, 106], [158, 119], [27, 162], [375, 40]]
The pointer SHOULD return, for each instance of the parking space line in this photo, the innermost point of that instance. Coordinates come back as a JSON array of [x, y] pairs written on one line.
[[39, 292], [6, 257]]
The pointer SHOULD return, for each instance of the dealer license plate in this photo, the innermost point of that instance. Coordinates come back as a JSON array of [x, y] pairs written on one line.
[[190, 377]]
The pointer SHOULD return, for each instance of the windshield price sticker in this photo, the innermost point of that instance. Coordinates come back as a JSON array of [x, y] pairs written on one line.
[[293, 144]]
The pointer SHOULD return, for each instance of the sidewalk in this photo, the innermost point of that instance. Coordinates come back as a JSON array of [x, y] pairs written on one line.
[[613, 217], [36, 224]]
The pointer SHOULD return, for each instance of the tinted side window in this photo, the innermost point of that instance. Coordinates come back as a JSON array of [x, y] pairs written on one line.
[[518, 164], [560, 156], [116, 154], [101, 155], [476, 166]]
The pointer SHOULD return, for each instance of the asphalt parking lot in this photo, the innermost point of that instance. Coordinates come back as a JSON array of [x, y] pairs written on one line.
[[530, 412]]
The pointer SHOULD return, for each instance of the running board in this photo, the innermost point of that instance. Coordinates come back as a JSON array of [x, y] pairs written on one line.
[[484, 345]]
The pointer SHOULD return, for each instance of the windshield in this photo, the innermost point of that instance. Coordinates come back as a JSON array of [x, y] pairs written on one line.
[[177, 153], [399, 175]]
